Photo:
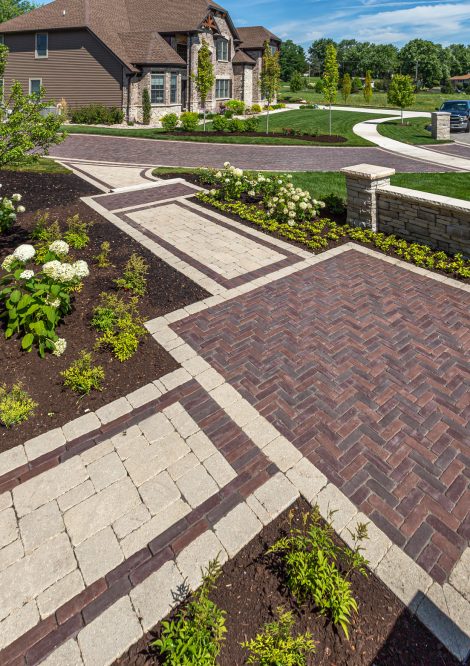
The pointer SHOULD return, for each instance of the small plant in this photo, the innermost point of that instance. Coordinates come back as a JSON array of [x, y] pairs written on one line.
[[8, 211], [311, 560], [236, 126], [82, 376], [189, 121], [134, 276], [102, 258], [15, 405], [335, 204], [219, 123], [77, 232], [120, 325], [252, 124], [169, 122], [195, 636], [237, 106], [276, 646], [44, 233], [256, 108]]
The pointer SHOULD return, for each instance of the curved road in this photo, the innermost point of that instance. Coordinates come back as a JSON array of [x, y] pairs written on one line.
[[151, 152]]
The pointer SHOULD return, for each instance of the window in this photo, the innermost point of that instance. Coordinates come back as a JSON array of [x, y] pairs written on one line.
[[35, 86], [157, 89], [2, 83], [223, 88], [174, 89], [222, 49], [273, 49], [2, 39], [42, 44]]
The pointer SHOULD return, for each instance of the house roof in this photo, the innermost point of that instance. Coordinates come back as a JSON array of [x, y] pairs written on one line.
[[242, 58], [255, 37], [118, 24], [461, 77]]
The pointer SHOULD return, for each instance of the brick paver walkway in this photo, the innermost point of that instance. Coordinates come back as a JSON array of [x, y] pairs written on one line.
[[148, 152]]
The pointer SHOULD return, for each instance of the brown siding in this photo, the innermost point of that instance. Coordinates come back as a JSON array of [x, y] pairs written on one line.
[[79, 68]]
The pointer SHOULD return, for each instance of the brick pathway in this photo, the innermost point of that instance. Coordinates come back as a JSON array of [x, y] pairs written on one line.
[[149, 152]]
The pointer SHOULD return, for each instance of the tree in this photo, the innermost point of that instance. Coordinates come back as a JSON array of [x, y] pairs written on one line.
[[270, 79], [356, 85], [346, 86], [204, 79], [368, 90], [424, 61], [297, 82], [401, 92], [11, 8], [317, 54], [25, 133], [292, 59], [458, 59], [146, 107], [330, 77]]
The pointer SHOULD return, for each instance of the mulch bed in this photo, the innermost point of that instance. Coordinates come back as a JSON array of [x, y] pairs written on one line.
[[250, 589], [168, 290], [316, 138]]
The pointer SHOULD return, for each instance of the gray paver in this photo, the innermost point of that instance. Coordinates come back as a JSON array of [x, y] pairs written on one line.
[[143, 395], [276, 495], [130, 442], [220, 470], [284, 454], [8, 527], [45, 443], [375, 547], [106, 470], [40, 525], [182, 466], [159, 492], [59, 593], [18, 623], [67, 654], [150, 461], [197, 555], [201, 445], [98, 555], [131, 521], [197, 485], [108, 636], [75, 496], [11, 553], [81, 426], [114, 410], [307, 478], [12, 459], [156, 427], [97, 451], [405, 578], [237, 528], [335, 507], [6, 500], [460, 575], [151, 607]]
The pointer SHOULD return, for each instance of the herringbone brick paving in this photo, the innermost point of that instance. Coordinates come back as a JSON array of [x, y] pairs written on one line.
[[364, 367]]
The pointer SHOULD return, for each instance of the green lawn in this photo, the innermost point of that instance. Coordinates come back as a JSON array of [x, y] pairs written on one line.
[[42, 165], [308, 120], [323, 183], [412, 131], [424, 101]]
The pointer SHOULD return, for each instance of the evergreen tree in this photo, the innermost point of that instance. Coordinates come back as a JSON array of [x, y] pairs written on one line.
[[296, 83], [368, 90], [346, 86]]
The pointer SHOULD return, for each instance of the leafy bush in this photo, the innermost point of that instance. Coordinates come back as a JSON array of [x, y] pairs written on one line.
[[256, 108], [189, 121], [219, 123], [15, 405], [45, 233], [102, 258], [356, 85], [146, 107], [228, 113], [195, 636], [297, 82], [82, 376], [235, 125], [121, 325], [97, 114], [170, 122], [237, 106], [252, 124], [276, 646], [319, 87], [77, 232], [335, 204], [134, 276], [8, 212]]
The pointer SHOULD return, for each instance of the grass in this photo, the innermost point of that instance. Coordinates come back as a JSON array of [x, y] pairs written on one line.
[[412, 131], [42, 165], [307, 120], [323, 183], [424, 101]]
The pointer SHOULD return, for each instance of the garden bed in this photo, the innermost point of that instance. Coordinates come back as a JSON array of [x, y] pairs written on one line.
[[250, 589], [167, 290], [316, 138]]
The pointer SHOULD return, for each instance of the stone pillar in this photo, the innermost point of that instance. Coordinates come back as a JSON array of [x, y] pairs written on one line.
[[362, 181], [440, 122]]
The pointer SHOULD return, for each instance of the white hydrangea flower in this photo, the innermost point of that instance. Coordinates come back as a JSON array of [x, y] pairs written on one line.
[[17, 197], [27, 275], [60, 345], [303, 205], [24, 252], [54, 303], [81, 269], [8, 262], [227, 165], [59, 247], [238, 173], [21, 209], [218, 174], [291, 223], [12, 216]]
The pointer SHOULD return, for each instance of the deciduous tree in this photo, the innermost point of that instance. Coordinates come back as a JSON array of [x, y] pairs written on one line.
[[270, 79], [330, 77], [292, 59], [11, 8], [204, 78], [401, 92]]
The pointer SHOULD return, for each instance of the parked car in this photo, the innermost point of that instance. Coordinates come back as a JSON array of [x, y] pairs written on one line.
[[459, 114]]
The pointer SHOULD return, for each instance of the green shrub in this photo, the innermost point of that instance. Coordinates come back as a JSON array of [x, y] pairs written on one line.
[[170, 122], [8, 211], [237, 106], [195, 636], [219, 123], [319, 87], [77, 232], [256, 108], [189, 121], [356, 85], [97, 114], [146, 107], [102, 258], [228, 113], [310, 557], [252, 124], [297, 82], [82, 376], [276, 646], [236, 125], [120, 324], [335, 204], [45, 233], [15, 405], [134, 276]]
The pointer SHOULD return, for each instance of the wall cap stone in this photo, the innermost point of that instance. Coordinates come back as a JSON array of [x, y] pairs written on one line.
[[368, 171], [435, 200]]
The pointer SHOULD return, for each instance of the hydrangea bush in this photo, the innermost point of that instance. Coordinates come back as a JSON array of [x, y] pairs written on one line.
[[34, 303], [9, 208]]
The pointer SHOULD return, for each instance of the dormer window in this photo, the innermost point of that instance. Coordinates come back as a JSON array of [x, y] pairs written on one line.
[[222, 50], [42, 45]]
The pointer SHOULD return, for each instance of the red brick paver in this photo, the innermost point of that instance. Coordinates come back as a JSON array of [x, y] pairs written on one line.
[[363, 365]]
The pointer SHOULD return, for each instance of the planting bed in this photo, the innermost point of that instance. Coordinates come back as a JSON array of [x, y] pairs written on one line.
[[316, 138], [168, 290], [250, 589]]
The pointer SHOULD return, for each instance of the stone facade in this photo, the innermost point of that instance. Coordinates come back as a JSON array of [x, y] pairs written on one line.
[[440, 222], [440, 126], [137, 87]]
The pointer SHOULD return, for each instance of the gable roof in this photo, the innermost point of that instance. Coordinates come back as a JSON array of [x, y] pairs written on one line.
[[255, 37], [242, 58], [118, 24], [461, 77]]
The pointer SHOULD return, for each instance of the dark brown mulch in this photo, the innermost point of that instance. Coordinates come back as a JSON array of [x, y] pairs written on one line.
[[250, 589], [168, 290], [316, 138]]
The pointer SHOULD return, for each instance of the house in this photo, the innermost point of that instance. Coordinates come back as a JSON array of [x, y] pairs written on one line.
[[460, 81], [108, 51]]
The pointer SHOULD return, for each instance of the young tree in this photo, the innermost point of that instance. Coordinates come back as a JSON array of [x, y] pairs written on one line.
[[297, 82], [356, 85], [330, 77], [25, 134], [11, 8], [401, 92], [146, 107], [292, 59], [368, 90], [270, 79], [346, 86], [204, 78]]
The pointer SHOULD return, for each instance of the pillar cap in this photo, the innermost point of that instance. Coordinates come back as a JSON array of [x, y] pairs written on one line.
[[368, 171]]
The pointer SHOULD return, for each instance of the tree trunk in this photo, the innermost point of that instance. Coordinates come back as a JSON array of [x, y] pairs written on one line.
[[401, 115], [267, 120], [204, 116], [330, 118]]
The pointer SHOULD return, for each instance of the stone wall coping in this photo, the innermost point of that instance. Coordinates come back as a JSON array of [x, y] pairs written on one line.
[[368, 171], [427, 198], [440, 113]]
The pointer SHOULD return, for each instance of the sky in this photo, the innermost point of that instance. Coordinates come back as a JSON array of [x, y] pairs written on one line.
[[380, 21]]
